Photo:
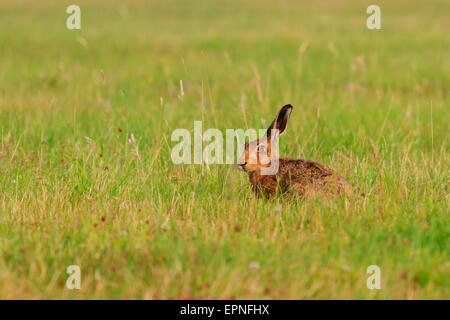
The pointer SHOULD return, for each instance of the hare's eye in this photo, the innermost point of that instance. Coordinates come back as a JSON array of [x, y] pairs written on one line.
[[262, 149]]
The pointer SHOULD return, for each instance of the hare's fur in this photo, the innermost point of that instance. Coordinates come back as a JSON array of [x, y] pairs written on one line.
[[299, 177]]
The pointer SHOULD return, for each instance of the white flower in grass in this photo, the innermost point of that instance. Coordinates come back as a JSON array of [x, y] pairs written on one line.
[[254, 266], [89, 141], [164, 226], [132, 140]]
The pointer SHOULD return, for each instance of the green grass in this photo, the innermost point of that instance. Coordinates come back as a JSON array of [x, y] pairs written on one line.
[[374, 105]]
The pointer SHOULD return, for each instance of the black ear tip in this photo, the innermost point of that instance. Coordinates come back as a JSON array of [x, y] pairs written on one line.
[[287, 108]]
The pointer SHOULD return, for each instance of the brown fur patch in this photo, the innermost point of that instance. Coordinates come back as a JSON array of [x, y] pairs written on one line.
[[299, 177]]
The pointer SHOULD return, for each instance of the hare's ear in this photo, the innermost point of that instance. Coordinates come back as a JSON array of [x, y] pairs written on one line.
[[281, 120]]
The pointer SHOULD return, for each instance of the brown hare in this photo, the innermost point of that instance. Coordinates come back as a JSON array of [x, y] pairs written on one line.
[[302, 178]]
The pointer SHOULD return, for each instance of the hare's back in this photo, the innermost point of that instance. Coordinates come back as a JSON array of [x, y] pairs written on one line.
[[305, 177], [300, 169]]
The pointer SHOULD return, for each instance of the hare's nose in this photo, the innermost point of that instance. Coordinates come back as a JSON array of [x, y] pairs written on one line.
[[242, 166]]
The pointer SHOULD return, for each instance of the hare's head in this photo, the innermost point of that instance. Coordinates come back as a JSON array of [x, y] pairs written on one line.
[[261, 152]]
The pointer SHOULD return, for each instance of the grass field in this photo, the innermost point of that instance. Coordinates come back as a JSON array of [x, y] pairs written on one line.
[[77, 189]]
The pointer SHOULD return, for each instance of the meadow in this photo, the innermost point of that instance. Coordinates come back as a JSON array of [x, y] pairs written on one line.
[[86, 176]]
